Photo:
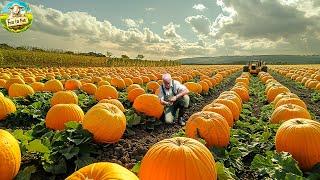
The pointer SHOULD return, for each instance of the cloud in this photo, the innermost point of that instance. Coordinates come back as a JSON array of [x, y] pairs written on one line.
[[199, 23], [132, 23], [170, 30], [150, 9], [199, 7]]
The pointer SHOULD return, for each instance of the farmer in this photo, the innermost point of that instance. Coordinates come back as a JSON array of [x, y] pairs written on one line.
[[173, 95]]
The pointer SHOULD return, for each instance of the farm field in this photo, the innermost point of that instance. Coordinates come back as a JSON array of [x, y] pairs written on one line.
[[56, 122]]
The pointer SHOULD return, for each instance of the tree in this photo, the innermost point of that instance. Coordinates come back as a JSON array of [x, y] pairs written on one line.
[[109, 54], [140, 56], [124, 56]]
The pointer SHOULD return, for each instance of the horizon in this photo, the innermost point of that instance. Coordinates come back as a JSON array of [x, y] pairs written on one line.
[[155, 29]]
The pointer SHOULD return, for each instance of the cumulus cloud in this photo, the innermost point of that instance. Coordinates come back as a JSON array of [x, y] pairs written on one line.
[[199, 7], [132, 23], [200, 24], [170, 30]]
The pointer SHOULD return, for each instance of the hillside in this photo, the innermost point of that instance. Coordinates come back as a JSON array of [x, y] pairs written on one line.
[[270, 59]]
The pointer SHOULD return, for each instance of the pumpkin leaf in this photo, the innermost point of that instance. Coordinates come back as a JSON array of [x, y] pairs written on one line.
[[136, 167], [83, 161], [37, 147], [224, 173], [25, 174]]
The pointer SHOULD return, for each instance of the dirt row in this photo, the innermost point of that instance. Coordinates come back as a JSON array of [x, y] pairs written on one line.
[[304, 94], [131, 149]]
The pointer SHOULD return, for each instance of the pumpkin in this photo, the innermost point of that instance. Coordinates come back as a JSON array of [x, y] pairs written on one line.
[[153, 86], [210, 126], [233, 98], [103, 171], [231, 105], [148, 104], [29, 80], [243, 80], [288, 100], [72, 84], [20, 90], [128, 81], [137, 80], [13, 80], [133, 94], [106, 122], [284, 95], [133, 86], [114, 102], [274, 91], [59, 114], [106, 92], [10, 156], [64, 97], [37, 86], [221, 109], [89, 88], [178, 158], [193, 87], [242, 92], [101, 83], [288, 111], [118, 83], [2, 83], [204, 86], [301, 138], [53, 85]]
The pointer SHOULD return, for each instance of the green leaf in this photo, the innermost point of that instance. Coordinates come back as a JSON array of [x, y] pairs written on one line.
[[69, 152], [83, 161], [224, 173], [25, 174], [59, 167], [37, 147], [136, 167], [72, 125]]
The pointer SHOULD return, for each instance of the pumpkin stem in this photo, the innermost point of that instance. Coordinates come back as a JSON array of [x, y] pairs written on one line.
[[290, 106], [299, 121]]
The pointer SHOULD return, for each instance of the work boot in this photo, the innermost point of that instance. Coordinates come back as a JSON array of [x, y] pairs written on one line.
[[181, 121]]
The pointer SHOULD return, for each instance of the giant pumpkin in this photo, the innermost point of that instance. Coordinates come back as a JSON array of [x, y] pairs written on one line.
[[106, 92], [301, 138], [210, 126], [288, 111], [59, 114], [6, 107], [20, 90], [10, 156], [178, 158], [148, 104], [106, 122]]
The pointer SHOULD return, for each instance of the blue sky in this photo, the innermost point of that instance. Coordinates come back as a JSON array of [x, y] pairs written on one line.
[[173, 29]]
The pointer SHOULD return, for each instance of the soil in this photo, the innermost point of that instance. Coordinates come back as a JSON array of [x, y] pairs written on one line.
[[304, 94], [131, 149]]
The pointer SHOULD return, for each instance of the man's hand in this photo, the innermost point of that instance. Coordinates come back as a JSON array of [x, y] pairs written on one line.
[[173, 99]]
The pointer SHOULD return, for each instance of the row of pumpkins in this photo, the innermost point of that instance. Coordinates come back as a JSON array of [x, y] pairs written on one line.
[[106, 116], [310, 78], [298, 134]]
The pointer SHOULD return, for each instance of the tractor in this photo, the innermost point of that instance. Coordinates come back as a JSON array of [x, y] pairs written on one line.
[[255, 66]]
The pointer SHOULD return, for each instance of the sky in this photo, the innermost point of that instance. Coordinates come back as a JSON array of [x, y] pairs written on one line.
[[172, 29]]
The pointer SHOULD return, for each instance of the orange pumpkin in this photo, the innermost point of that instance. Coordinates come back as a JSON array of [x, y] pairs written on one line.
[[193, 87], [106, 92], [177, 159], [149, 104], [133, 86], [233, 98], [284, 95], [102, 118], [89, 88], [288, 100], [13, 80], [64, 97], [231, 105], [72, 84], [221, 109], [103, 171], [301, 138], [153, 86], [118, 83], [10, 156], [288, 111], [210, 126], [53, 85], [59, 114], [37, 86], [242, 92], [133, 94], [274, 91], [115, 102], [20, 90]]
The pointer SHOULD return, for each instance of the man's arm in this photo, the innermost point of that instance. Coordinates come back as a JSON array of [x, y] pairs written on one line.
[[161, 97], [182, 90]]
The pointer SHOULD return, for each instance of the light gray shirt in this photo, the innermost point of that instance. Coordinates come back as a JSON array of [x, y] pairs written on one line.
[[177, 87]]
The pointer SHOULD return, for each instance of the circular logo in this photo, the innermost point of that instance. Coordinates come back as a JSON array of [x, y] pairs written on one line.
[[16, 16]]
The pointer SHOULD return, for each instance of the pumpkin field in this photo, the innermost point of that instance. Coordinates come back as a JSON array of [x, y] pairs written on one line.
[[107, 123]]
